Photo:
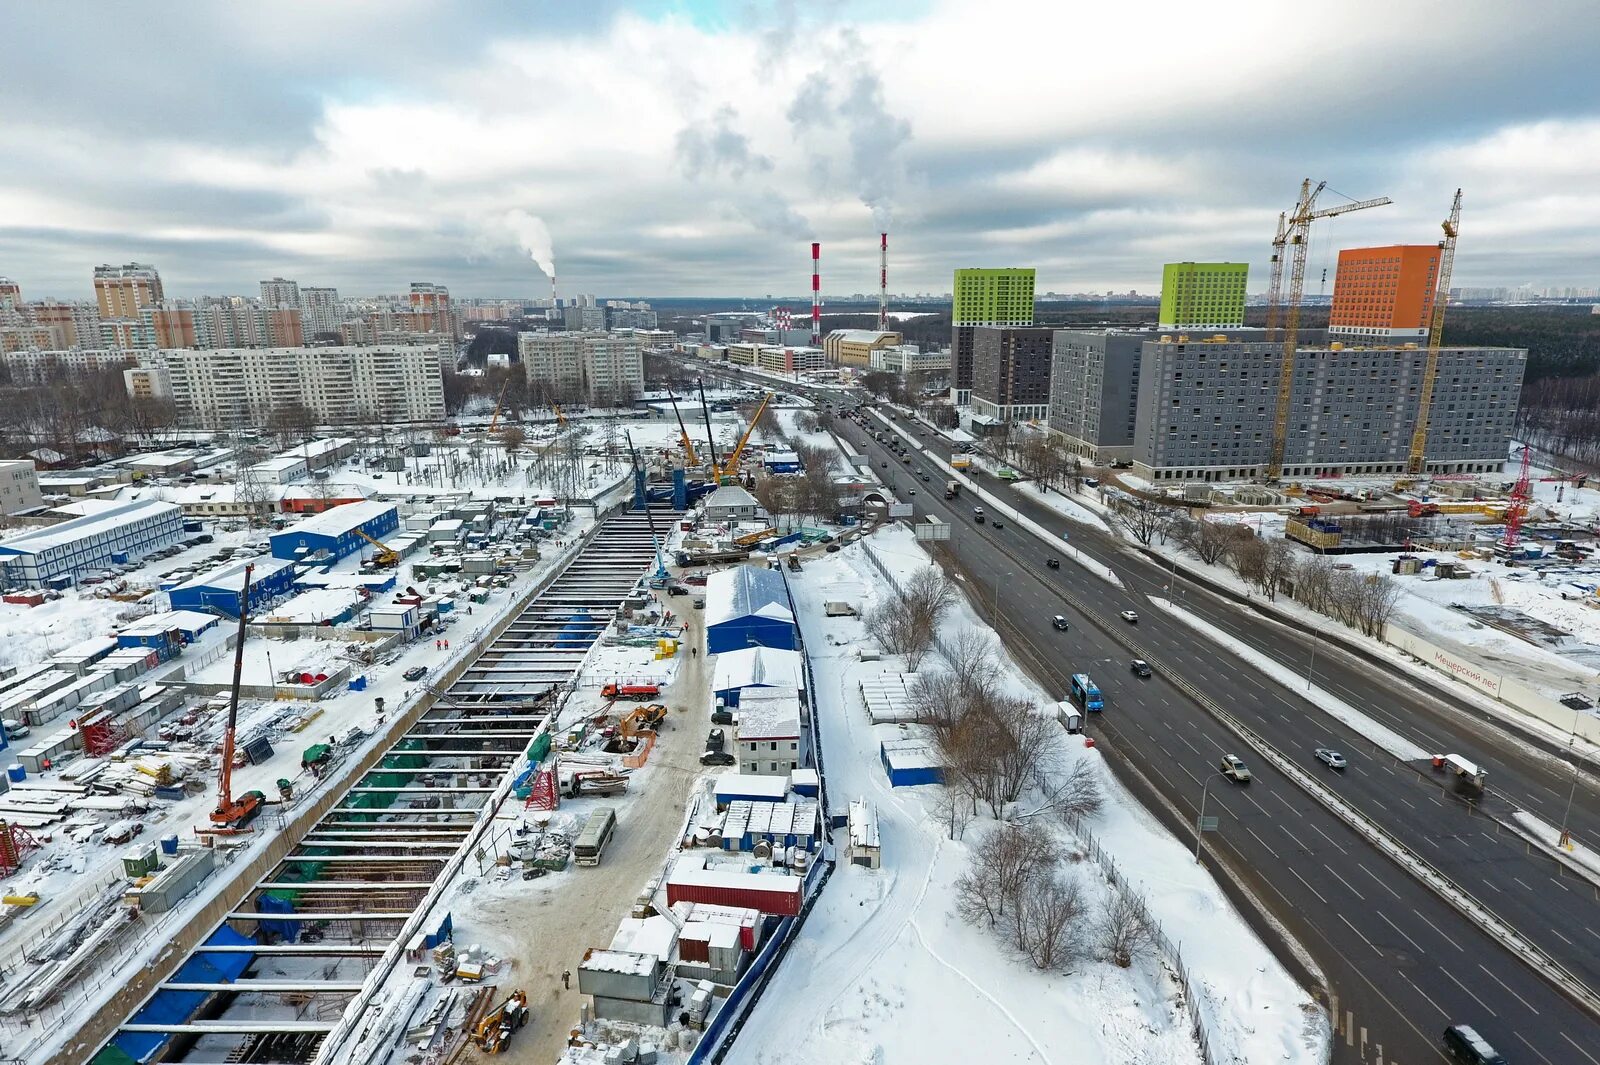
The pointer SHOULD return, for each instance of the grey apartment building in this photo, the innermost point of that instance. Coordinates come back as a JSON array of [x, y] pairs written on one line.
[[1205, 409], [1011, 371]]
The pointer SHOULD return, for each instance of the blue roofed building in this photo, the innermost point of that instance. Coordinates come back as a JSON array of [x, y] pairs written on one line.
[[220, 590], [338, 531], [106, 534], [756, 667], [748, 606]]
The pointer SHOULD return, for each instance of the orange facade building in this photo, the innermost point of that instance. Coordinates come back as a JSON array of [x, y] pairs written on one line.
[[1385, 294]]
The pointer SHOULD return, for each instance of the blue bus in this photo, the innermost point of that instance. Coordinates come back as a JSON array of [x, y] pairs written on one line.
[[1084, 690]]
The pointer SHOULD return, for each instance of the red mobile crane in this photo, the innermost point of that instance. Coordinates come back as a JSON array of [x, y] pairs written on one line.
[[1521, 495], [232, 815]]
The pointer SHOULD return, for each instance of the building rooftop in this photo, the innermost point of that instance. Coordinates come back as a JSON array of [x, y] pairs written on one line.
[[863, 824], [109, 519], [338, 520], [730, 495], [157, 624], [741, 591], [769, 713], [748, 666], [229, 577]]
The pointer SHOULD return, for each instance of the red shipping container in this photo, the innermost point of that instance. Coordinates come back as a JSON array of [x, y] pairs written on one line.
[[770, 894], [25, 598]]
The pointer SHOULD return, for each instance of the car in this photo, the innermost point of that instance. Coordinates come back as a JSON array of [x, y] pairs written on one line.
[[699, 602], [997, 524], [722, 716], [1130, 616], [1234, 769], [977, 512], [1466, 1045], [831, 548], [911, 491], [1059, 623], [978, 518], [884, 465], [1052, 563], [676, 589], [715, 740], [415, 673], [924, 478], [906, 459], [1140, 667], [1331, 758], [717, 758]]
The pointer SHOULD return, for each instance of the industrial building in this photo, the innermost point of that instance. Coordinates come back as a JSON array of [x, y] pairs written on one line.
[[984, 297], [339, 532], [221, 590], [911, 760], [1206, 409], [1202, 295], [775, 358], [1385, 295], [747, 606], [1011, 372], [756, 667], [107, 534], [854, 347], [19, 486], [909, 358]]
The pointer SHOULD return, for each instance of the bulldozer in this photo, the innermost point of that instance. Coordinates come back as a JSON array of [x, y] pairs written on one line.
[[493, 1033]]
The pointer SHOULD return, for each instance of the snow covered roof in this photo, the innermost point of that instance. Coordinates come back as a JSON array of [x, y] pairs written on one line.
[[769, 714], [339, 520], [620, 961], [749, 666], [730, 495], [651, 935], [863, 824], [312, 607], [752, 784], [859, 336], [230, 575], [911, 753], [742, 591], [690, 869], [158, 624], [112, 517]]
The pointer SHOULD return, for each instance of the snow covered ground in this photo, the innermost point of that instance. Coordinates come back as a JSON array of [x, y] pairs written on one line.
[[884, 971], [1064, 505]]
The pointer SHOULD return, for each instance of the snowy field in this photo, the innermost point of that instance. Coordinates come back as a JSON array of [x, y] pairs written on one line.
[[885, 972]]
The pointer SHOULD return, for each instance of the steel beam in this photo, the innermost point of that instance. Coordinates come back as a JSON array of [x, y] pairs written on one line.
[[234, 1027], [271, 986], [345, 885], [311, 915], [324, 950]]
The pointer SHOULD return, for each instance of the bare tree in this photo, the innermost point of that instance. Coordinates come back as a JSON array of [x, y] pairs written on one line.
[[973, 658], [1143, 519], [1021, 739], [1076, 795], [1210, 540], [952, 806], [906, 622], [1002, 864], [1277, 567], [512, 437], [1313, 583], [1124, 931], [1047, 921], [1248, 554]]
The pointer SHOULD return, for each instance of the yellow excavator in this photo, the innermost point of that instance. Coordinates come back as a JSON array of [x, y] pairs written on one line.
[[382, 555]]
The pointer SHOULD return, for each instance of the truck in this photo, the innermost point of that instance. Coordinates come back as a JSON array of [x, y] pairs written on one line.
[[1086, 692], [952, 489], [1469, 776], [960, 462], [636, 692]]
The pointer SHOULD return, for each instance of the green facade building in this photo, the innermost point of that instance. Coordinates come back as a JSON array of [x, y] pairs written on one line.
[[1203, 295], [993, 297]]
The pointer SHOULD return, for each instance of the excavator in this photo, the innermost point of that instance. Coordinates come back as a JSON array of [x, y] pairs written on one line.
[[233, 816], [382, 556], [493, 1033]]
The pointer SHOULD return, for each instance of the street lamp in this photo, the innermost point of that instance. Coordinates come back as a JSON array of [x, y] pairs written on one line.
[[1565, 841], [1315, 632], [1200, 819]]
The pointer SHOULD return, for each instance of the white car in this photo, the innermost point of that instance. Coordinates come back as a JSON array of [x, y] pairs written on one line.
[[1130, 616], [1331, 758]]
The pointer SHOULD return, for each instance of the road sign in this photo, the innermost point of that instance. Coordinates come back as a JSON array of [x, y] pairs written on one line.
[[1206, 824], [932, 529], [901, 510]]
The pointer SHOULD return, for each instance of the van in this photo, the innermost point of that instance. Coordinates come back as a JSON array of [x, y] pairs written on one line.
[[1059, 622], [1464, 1044]]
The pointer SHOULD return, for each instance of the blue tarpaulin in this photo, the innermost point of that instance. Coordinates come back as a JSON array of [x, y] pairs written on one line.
[[288, 931], [177, 1007]]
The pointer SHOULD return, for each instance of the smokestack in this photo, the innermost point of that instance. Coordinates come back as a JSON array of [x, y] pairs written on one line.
[[552, 288], [883, 282], [816, 294]]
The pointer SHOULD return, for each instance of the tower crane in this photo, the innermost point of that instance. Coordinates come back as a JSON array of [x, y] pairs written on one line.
[[1521, 494], [1417, 461], [1295, 233]]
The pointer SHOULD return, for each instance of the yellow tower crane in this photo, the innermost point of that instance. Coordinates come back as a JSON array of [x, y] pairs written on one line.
[[1295, 233], [1416, 463]]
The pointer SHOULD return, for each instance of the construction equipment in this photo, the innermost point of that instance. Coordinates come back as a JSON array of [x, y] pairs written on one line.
[[1521, 494], [1416, 463], [493, 1033], [730, 469], [383, 555], [636, 692], [561, 419], [711, 441], [688, 448], [1294, 231], [233, 815], [494, 422]]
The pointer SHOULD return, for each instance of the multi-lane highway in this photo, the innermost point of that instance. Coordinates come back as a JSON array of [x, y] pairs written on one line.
[[1401, 962]]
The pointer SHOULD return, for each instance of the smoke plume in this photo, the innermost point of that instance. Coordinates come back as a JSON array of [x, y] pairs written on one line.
[[533, 236]]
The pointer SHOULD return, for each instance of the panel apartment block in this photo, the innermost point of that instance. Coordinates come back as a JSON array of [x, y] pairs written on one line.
[[1205, 410], [1385, 294], [237, 388], [1202, 295], [1011, 372], [984, 297], [597, 368]]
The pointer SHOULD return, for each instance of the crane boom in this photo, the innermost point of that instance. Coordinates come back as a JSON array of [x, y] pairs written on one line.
[[731, 467], [1297, 239], [495, 421], [688, 447], [232, 815], [1275, 287], [711, 441], [1417, 461]]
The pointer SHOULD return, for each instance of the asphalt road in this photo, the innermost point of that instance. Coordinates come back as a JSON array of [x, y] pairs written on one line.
[[1401, 962]]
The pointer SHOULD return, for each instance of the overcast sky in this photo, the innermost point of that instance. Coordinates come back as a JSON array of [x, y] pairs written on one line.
[[694, 148]]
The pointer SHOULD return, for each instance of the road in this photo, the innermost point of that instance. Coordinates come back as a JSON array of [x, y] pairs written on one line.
[[549, 931], [1401, 962]]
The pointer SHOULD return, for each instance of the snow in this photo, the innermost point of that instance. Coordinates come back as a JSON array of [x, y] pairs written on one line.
[[1063, 505], [883, 970], [1548, 836]]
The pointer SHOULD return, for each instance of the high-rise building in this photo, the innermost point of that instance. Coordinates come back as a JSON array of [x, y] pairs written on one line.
[[1202, 295], [598, 368], [1385, 293], [984, 297], [320, 311], [1206, 409], [1011, 371], [37, 366], [10, 296], [124, 291], [230, 322], [150, 381], [283, 327], [280, 293], [171, 324], [430, 310], [74, 324], [232, 388]]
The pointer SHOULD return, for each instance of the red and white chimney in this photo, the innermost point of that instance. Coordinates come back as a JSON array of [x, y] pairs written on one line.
[[816, 294], [883, 282]]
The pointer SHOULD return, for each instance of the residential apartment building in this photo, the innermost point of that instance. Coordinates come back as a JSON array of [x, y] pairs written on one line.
[[234, 388], [854, 347], [320, 311], [19, 486], [280, 293], [776, 358], [72, 324], [1011, 372], [24, 336], [1385, 294], [171, 324], [33, 367], [121, 294], [430, 310], [10, 296], [984, 297], [283, 327], [230, 322], [1094, 386], [1202, 295], [632, 318], [1206, 409], [150, 382], [598, 368]]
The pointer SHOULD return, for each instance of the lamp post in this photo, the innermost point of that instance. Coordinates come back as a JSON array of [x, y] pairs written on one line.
[[1200, 819], [1315, 633], [1565, 841]]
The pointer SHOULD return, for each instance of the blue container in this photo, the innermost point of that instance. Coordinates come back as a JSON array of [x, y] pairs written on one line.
[[169, 844], [15, 773], [358, 684]]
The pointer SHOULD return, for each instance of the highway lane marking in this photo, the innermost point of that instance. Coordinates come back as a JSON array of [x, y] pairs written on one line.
[[1294, 838], [1591, 931], [1261, 841], [1358, 933], [1379, 879], [1436, 928], [1507, 986], [1490, 883], [1424, 995], [1519, 880], [1533, 1048], [1561, 937], [1325, 836], [1414, 944], [1580, 1050], [1555, 878], [1452, 978], [1309, 888], [1343, 881]]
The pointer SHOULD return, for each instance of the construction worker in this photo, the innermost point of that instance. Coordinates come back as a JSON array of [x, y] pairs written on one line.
[[566, 979]]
